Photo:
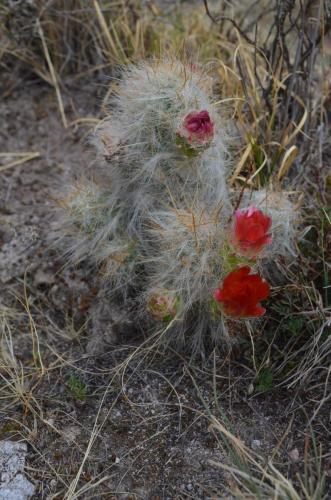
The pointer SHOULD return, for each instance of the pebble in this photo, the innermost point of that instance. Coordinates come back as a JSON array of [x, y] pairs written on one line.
[[256, 443], [294, 455]]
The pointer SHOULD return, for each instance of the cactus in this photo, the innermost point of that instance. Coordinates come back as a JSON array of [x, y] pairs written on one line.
[[157, 217]]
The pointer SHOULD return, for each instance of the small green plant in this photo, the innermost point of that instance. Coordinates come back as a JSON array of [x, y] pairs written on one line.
[[77, 387], [265, 380], [295, 325]]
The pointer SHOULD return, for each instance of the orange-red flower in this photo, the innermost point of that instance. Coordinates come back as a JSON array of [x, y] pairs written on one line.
[[250, 233], [198, 127], [241, 293]]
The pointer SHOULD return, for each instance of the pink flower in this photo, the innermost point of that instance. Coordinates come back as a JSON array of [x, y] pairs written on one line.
[[250, 232], [162, 304], [194, 67], [241, 293], [198, 127]]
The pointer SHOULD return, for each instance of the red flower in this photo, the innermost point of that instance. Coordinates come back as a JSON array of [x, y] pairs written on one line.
[[241, 293], [251, 230], [198, 127]]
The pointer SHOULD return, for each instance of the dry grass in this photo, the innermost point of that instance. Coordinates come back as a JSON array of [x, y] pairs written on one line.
[[279, 98], [256, 478]]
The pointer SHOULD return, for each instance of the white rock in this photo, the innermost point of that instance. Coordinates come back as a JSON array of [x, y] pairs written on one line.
[[71, 433], [294, 455], [13, 484], [256, 443], [42, 277]]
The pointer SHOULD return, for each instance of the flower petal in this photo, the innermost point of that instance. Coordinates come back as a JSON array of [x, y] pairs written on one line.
[[241, 293]]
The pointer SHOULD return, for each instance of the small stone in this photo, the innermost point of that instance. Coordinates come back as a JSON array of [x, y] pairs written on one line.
[[256, 443], [294, 455], [44, 278], [53, 484], [71, 433]]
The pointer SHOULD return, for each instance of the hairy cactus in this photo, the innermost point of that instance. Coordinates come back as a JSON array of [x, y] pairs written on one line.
[[158, 217]]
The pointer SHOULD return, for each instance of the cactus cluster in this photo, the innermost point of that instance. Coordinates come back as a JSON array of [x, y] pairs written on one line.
[[157, 217]]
